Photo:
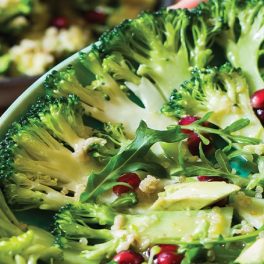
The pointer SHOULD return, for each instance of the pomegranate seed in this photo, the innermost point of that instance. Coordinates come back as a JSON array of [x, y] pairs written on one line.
[[168, 248], [169, 258], [257, 99], [60, 22], [131, 178], [221, 203], [260, 114], [128, 257], [95, 17], [211, 178], [193, 143], [187, 120]]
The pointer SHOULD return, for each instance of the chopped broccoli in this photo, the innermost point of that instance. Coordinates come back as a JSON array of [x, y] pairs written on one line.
[[159, 47], [104, 99], [243, 40], [22, 244], [224, 91], [96, 232], [46, 157]]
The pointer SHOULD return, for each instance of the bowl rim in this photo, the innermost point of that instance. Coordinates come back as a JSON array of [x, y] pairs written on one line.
[[23, 102]]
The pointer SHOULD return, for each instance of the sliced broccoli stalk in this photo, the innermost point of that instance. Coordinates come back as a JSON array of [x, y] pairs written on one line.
[[22, 244], [158, 47], [121, 231], [244, 37], [29, 247], [103, 99], [9, 225], [45, 161], [223, 91]]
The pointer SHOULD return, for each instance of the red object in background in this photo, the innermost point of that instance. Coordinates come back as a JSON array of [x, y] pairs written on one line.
[[95, 17], [60, 22]]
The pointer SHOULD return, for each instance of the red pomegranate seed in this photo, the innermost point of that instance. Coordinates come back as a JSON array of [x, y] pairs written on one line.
[[211, 178], [193, 143], [187, 120], [221, 203], [257, 99], [169, 258], [128, 257], [260, 114], [168, 248], [96, 17], [60, 22], [131, 178]]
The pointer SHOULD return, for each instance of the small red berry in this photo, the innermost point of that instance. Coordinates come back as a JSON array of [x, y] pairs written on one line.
[[96, 17], [131, 178], [128, 257], [221, 203], [169, 258], [60, 22], [260, 114], [168, 248], [187, 120], [193, 143], [211, 178], [257, 99]]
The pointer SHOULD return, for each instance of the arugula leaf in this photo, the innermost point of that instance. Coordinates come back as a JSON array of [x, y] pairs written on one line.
[[225, 134], [222, 161], [207, 168], [130, 157], [237, 125]]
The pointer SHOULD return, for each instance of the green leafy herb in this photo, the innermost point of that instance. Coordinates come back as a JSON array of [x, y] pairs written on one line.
[[207, 168], [210, 242], [124, 201], [130, 157], [225, 134]]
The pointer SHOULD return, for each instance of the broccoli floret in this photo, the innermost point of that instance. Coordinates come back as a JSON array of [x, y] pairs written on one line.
[[22, 244], [244, 38], [95, 232], [223, 91], [104, 99], [160, 48], [45, 161]]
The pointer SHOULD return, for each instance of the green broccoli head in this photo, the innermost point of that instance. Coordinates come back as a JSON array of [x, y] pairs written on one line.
[[223, 91], [104, 98], [46, 159], [76, 230], [116, 140], [159, 46], [243, 39]]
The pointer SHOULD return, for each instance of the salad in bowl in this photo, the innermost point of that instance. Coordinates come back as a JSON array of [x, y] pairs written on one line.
[[146, 147]]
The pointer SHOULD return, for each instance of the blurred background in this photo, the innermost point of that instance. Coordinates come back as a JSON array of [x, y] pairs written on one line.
[[35, 35]]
